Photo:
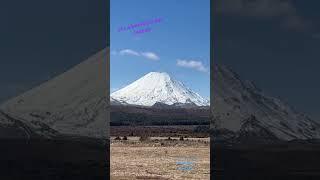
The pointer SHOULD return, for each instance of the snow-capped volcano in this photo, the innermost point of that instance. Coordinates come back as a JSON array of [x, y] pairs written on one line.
[[239, 106], [73, 102], [157, 87]]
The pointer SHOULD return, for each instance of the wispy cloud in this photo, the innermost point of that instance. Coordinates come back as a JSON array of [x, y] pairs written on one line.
[[150, 55], [192, 64], [129, 52]]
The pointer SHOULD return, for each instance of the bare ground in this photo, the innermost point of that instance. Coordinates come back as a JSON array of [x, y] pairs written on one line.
[[160, 159]]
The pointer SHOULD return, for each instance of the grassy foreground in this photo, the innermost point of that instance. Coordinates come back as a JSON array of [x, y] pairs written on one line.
[[160, 158]]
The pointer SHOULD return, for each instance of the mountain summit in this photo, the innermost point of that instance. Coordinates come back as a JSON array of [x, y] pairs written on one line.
[[157, 87], [240, 106], [72, 103]]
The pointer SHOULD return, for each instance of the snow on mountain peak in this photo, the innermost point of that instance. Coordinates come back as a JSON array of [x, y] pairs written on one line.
[[236, 101], [157, 87], [70, 103]]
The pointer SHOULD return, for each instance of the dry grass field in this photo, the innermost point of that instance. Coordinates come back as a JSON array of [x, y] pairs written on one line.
[[159, 158]]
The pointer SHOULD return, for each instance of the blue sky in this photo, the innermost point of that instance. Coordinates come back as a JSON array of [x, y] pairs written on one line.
[[179, 44]]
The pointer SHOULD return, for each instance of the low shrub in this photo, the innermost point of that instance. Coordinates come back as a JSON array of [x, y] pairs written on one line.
[[117, 138], [144, 138]]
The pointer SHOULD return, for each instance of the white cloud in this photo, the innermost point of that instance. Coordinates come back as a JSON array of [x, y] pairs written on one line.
[[192, 64], [129, 52], [150, 55]]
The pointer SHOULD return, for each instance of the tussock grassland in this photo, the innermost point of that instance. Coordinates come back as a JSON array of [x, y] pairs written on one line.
[[160, 158]]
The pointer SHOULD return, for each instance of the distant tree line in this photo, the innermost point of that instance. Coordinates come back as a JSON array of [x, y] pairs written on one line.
[[140, 119]]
